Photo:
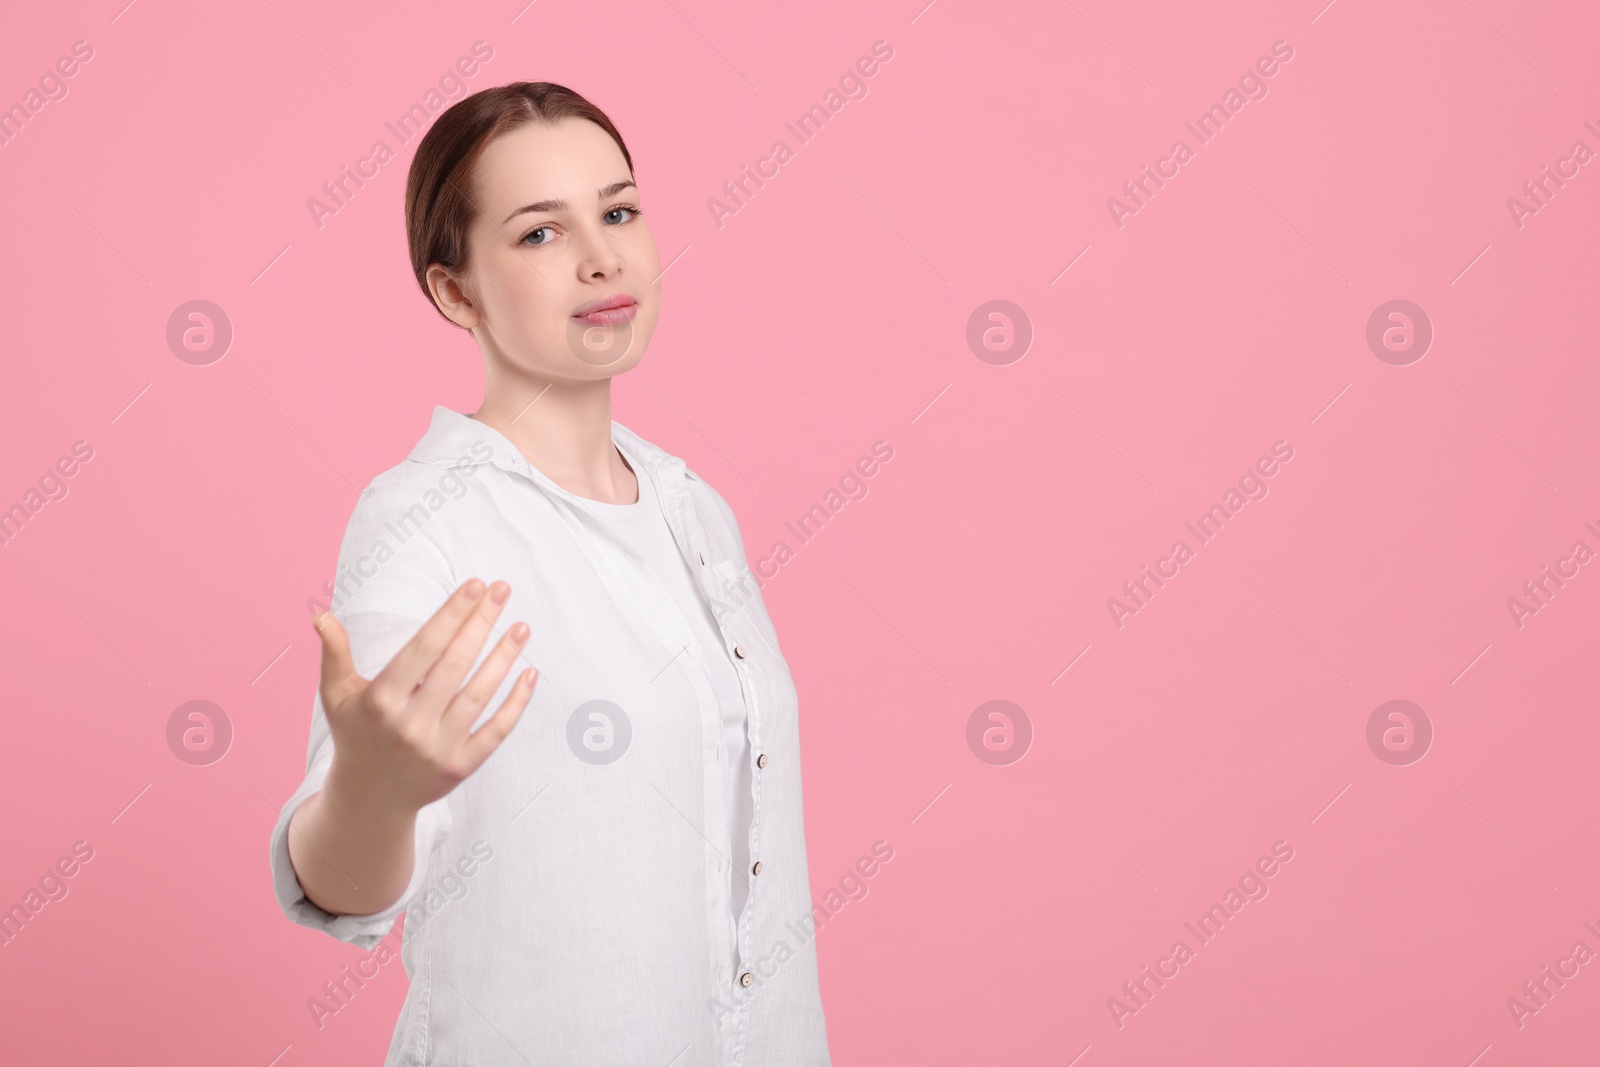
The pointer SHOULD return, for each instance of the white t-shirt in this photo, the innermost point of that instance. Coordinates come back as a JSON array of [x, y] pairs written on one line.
[[644, 527]]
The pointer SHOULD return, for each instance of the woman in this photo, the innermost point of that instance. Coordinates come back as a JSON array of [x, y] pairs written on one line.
[[618, 874]]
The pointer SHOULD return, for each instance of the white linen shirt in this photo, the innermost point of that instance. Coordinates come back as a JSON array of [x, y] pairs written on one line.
[[643, 526], [565, 900]]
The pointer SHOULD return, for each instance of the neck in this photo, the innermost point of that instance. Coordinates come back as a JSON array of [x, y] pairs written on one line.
[[563, 428]]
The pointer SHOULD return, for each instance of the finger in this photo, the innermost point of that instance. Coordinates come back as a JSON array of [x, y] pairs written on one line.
[[444, 677], [408, 666], [339, 676], [482, 742], [463, 710]]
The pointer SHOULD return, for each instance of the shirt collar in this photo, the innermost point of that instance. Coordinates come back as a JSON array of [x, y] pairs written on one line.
[[455, 440]]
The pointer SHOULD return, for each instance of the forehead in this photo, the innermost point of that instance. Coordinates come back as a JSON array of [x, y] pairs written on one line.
[[571, 159]]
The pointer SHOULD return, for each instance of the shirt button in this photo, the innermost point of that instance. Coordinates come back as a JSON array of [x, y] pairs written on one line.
[[761, 760], [747, 979], [738, 650], [757, 868], [702, 559]]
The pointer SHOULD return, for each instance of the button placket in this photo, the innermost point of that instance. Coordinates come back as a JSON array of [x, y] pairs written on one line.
[[749, 685]]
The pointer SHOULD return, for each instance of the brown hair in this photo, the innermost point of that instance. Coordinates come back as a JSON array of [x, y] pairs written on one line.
[[438, 187]]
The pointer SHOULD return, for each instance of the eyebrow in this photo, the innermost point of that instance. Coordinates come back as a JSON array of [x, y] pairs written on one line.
[[561, 205]]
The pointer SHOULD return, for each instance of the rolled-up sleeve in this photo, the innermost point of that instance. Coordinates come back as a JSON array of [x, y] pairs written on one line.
[[385, 612]]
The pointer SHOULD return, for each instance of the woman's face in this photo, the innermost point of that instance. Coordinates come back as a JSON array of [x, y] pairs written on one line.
[[556, 231]]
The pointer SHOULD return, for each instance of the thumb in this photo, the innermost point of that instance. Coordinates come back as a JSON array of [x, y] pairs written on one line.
[[338, 669]]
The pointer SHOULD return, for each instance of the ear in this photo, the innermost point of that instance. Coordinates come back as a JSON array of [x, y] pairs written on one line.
[[452, 296]]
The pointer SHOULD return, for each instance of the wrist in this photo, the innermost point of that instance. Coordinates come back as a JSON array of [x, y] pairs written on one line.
[[354, 804]]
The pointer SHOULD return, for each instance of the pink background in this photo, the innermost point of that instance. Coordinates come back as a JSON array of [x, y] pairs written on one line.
[[831, 312]]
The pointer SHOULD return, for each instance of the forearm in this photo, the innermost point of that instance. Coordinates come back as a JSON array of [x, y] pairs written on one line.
[[350, 858]]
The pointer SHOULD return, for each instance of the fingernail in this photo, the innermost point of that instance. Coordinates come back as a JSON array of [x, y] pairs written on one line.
[[519, 633], [473, 589], [316, 620], [499, 591]]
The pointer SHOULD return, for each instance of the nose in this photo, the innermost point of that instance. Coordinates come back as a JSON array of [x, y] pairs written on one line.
[[598, 258]]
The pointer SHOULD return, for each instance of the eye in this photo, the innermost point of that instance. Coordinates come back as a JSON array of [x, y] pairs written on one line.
[[540, 229], [632, 211]]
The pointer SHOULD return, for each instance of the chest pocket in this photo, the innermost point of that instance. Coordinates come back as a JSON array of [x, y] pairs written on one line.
[[734, 593]]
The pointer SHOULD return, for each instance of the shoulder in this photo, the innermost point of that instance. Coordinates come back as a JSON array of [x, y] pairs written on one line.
[[407, 487], [717, 502], [391, 558]]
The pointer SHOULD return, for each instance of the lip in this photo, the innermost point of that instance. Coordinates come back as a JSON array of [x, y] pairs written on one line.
[[611, 311]]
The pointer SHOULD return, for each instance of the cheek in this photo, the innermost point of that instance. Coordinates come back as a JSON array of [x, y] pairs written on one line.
[[650, 267], [520, 297], [645, 251]]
